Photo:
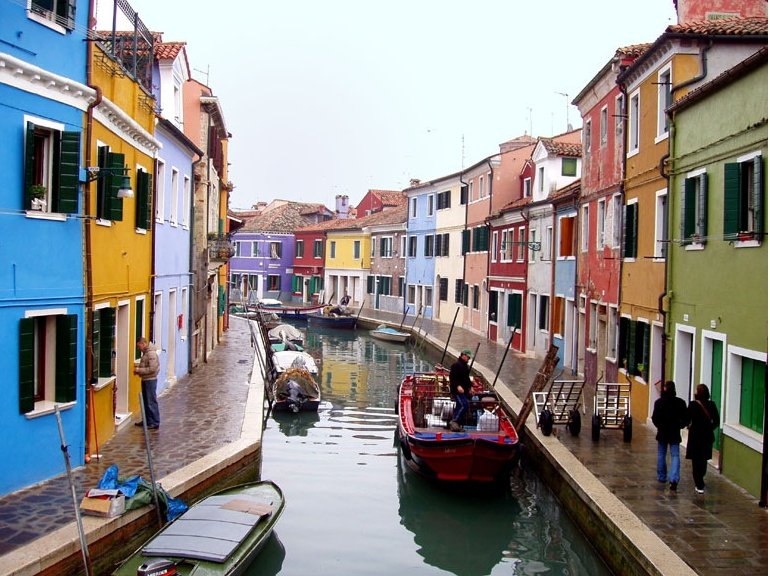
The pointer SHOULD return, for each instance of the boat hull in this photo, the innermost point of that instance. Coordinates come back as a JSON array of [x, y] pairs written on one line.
[[340, 322], [399, 337], [182, 530], [468, 455]]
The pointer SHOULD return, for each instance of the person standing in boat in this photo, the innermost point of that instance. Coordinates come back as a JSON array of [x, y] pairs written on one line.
[[460, 387], [345, 300]]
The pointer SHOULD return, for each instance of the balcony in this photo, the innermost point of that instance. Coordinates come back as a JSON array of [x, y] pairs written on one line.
[[220, 248]]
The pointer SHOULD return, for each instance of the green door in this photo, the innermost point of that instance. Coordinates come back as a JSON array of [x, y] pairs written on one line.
[[716, 383]]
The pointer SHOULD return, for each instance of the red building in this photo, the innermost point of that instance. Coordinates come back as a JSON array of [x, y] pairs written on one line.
[[307, 281]]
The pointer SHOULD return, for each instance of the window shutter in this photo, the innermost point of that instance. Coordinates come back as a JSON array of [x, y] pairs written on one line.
[[464, 194], [514, 310], [105, 341], [29, 165], [26, 365], [631, 350], [70, 15], [95, 344], [629, 249], [466, 241], [688, 210], [758, 199], [69, 168], [114, 204], [370, 284], [66, 357], [732, 199], [143, 199], [701, 228]]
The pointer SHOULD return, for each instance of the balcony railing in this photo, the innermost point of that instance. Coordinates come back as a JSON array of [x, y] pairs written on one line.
[[220, 248]]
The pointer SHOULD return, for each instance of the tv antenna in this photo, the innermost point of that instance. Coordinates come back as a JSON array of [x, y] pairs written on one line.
[[567, 97]]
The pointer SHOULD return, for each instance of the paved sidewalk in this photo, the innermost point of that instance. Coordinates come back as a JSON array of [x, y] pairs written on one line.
[[722, 530]]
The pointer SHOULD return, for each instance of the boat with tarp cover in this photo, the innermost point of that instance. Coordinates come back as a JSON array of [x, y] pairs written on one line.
[[221, 534], [294, 386], [482, 451]]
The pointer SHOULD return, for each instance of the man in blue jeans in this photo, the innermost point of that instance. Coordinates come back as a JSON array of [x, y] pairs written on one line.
[[669, 416], [460, 387], [148, 368]]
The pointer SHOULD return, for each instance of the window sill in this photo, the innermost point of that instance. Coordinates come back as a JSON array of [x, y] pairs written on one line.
[[658, 259], [40, 19], [695, 247], [140, 231], [747, 244], [46, 407], [53, 216], [103, 383], [612, 359], [103, 222], [744, 435]]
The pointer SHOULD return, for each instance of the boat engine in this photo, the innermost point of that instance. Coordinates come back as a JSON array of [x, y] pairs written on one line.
[[159, 567], [295, 396]]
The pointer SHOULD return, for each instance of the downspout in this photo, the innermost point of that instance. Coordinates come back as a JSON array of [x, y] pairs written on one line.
[[703, 69], [463, 294], [489, 235], [206, 280], [524, 299], [88, 271], [623, 152], [191, 257]]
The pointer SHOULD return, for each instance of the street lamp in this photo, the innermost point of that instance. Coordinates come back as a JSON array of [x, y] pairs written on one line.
[[97, 172]]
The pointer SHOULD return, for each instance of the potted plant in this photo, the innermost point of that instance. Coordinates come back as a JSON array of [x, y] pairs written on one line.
[[37, 192]]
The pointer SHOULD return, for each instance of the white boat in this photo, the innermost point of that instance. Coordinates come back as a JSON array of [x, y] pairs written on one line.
[[389, 334]]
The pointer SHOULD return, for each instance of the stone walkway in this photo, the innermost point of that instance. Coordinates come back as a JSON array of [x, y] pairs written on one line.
[[721, 530]]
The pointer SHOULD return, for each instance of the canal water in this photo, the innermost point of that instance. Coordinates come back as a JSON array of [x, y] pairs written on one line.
[[354, 507]]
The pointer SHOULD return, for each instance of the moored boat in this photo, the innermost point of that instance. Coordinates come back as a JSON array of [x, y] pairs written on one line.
[[294, 386], [221, 534], [389, 334], [333, 317], [284, 332], [482, 451]]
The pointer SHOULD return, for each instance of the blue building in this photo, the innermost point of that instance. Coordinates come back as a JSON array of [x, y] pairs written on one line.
[[43, 97], [173, 215], [420, 250], [564, 328]]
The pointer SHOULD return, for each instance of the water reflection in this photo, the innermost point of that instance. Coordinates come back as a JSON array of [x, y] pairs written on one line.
[[270, 559], [298, 424]]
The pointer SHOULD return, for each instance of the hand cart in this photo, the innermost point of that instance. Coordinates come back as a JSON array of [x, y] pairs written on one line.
[[561, 404], [612, 409]]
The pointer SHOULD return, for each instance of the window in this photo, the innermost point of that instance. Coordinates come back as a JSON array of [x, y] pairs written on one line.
[[413, 246], [630, 226], [61, 12], [506, 249], [299, 249], [174, 197], [569, 166], [429, 246], [160, 205], [384, 286], [370, 284], [635, 347], [273, 282], [600, 223], [108, 205], [586, 138], [612, 332], [411, 293], [544, 314], [186, 202], [521, 244], [51, 168], [318, 249], [275, 250], [103, 343], [296, 284], [333, 249], [428, 295], [143, 204], [47, 359], [693, 216], [480, 239], [548, 246], [254, 249], [665, 98], [633, 124], [464, 194], [413, 208], [585, 228], [527, 187], [458, 291], [442, 244], [744, 199], [374, 246], [514, 310], [532, 241], [470, 191], [465, 293], [619, 114], [567, 236], [661, 225], [356, 249], [403, 246], [444, 200], [617, 220], [430, 204], [401, 286], [603, 127], [558, 315], [593, 323], [493, 253], [541, 179], [475, 297], [386, 246], [752, 390], [443, 289]]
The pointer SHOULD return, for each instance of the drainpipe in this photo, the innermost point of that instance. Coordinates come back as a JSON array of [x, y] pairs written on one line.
[[465, 227], [88, 271], [623, 152], [489, 235], [191, 257], [524, 299]]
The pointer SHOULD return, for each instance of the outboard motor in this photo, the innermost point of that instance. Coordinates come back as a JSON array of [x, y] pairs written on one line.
[[296, 397], [159, 567]]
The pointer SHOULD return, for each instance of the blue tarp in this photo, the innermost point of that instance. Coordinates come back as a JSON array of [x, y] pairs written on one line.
[[138, 493]]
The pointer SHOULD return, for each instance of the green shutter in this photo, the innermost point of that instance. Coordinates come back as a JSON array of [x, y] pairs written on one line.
[[369, 284], [66, 357], [221, 301], [758, 199], [514, 310], [115, 162], [701, 223], [688, 210], [139, 327], [95, 344], [69, 167], [631, 351], [29, 164], [732, 200], [26, 365], [106, 341], [143, 199], [629, 248], [466, 241]]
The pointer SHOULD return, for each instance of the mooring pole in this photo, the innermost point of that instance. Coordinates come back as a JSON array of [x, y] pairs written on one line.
[[149, 459], [443, 354], [510, 340]]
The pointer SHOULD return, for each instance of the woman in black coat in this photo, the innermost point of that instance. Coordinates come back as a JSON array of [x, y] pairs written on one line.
[[704, 419]]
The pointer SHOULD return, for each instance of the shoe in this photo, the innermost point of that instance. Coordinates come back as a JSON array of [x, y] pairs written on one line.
[[672, 486], [154, 427], [140, 423], [454, 426], [662, 480], [700, 490]]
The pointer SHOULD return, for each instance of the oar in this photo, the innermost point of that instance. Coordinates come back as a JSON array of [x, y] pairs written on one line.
[[443, 355], [149, 459], [416, 317], [402, 320], [65, 453]]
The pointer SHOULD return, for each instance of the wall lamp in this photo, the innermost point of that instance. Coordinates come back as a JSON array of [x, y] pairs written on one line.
[[97, 172]]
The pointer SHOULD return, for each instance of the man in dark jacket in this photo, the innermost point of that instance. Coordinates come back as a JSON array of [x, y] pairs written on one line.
[[669, 416], [460, 387]]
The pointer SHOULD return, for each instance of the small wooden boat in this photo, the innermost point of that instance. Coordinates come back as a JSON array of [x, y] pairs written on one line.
[[482, 451], [221, 534], [287, 312], [285, 332], [333, 317], [294, 386], [389, 334]]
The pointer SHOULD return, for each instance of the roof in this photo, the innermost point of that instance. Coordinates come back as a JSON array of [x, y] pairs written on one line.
[[393, 216], [623, 56], [168, 50], [512, 205], [285, 218], [565, 192], [390, 197], [557, 148]]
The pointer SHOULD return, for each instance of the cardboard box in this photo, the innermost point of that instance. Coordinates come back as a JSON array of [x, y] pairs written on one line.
[[105, 503]]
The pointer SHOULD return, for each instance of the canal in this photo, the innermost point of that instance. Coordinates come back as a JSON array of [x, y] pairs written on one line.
[[354, 507]]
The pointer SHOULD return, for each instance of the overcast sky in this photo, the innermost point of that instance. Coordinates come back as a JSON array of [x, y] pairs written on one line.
[[339, 96]]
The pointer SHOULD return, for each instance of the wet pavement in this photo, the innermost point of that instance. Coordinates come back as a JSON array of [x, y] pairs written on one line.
[[721, 530]]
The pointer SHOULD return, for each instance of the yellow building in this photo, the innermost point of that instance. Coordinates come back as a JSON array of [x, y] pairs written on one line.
[[348, 259], [119, 156]]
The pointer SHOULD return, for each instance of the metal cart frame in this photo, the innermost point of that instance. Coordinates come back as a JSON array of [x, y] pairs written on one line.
[[612, 409], [561, 404]]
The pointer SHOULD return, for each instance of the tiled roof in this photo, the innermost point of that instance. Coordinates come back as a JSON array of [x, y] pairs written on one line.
[[168, 50], [569, 190], [285, 218], [562, 148], [633, 49], [396, 215], [512, 205], [390, 197], [722, 27]]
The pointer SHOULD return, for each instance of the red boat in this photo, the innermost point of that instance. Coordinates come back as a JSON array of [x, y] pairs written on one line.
[[483, 451]]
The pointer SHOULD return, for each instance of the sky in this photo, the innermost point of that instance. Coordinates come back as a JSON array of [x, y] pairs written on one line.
[[336, 97]]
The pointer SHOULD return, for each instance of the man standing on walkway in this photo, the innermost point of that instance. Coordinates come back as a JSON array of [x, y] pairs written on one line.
[[669, 416], [460, 387], [148, 368]]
